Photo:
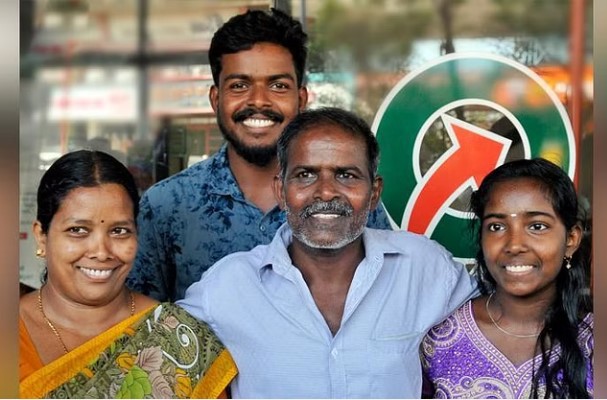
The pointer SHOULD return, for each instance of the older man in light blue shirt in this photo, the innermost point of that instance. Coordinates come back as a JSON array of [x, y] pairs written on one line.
[[329, 309]]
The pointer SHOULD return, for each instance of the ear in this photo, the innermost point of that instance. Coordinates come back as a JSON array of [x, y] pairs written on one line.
[[376, 189], [279, 195], [574, 238], [303, 98], [214, 97], [39, 236]]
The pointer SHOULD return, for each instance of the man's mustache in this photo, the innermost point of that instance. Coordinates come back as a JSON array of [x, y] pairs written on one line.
[[332, 207], [241, 115]]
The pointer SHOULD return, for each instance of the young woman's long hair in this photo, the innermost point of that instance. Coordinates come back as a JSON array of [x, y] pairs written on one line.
[[565, 317]]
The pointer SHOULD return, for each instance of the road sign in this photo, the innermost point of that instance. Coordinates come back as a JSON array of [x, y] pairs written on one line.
[[444, 126]]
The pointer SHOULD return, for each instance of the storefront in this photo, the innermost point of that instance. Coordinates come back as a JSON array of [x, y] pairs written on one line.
[[131, 77]]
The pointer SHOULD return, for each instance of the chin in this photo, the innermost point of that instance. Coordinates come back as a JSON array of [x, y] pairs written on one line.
[[520, 292], [327, 244]]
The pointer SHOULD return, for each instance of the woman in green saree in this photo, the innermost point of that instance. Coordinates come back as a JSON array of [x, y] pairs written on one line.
[[84, 334]]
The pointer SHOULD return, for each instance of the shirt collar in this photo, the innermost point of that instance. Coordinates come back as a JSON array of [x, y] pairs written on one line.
[[277, 256]]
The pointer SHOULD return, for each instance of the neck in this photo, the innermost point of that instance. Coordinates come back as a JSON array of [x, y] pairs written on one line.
[[327, 265], [524, 311], [254, 181], [239, 165], [87, 320]]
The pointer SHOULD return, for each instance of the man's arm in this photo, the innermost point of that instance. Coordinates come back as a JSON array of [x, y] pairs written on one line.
[[151, 270], [464, 288], [195, 301]]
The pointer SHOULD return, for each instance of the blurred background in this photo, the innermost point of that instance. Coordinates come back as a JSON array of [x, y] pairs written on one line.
[[131, 77]]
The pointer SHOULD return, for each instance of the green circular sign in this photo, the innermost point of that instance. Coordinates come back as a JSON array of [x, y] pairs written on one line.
[[444, 126]]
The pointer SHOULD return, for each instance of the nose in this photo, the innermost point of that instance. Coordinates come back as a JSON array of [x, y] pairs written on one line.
[[326, 189], [100, 248], [515, 241], [259, 96]]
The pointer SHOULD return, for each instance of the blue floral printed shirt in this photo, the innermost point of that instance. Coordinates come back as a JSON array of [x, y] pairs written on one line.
[[192, 219]]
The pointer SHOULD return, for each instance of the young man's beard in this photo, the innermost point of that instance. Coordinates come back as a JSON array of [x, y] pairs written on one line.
[[256, 155]]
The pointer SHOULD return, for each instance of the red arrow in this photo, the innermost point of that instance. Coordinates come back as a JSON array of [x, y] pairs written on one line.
[[475, 153]]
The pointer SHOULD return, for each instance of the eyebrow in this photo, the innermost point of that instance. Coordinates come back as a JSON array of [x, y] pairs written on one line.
[[350, 168], [344, 168], [526, 214], [270, 78]]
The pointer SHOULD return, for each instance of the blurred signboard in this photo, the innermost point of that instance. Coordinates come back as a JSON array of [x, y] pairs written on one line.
[[178, 97], [93, 103]]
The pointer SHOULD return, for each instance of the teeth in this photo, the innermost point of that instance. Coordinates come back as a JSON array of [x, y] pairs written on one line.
[[518, 268], [257, 123], [325, 216], [97, 273]]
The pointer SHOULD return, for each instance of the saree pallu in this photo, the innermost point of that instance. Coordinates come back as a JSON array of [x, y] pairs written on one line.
[[162, 352]]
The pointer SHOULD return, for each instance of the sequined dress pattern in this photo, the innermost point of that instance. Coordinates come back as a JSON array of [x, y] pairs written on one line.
[[461, 363]]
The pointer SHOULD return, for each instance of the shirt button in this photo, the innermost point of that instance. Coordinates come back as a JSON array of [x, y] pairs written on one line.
[[334, 353], [262, 228]]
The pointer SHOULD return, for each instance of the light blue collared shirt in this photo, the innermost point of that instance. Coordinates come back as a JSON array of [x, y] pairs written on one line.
[[260, 307]]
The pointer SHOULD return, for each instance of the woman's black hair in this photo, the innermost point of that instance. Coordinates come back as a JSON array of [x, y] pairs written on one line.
[[566, 378], [82, 168]]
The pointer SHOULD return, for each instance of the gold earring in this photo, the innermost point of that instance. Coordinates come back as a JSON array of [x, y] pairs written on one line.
[[567, 261], [39, 253]]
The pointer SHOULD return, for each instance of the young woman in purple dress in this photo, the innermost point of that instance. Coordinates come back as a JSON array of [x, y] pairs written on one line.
[[530, 334]]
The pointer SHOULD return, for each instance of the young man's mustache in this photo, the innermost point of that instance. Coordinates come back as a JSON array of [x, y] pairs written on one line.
[[241, 115]]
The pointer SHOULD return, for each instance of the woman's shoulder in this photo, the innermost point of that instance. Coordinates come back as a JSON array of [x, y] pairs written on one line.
[[29, 312], [167, 314], [28, 303], [447, 338], [174, 319], [143, 302], [455, 321], [173, 311]]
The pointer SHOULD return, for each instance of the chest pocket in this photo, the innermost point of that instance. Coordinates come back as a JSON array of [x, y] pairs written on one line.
[[396, 343]]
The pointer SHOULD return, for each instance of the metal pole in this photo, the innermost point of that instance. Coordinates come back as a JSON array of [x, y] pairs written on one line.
[[142, 40], [303, 15], [577, 76]]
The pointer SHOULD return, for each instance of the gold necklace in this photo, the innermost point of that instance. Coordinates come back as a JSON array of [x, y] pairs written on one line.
[[56, 332], [502, 329]]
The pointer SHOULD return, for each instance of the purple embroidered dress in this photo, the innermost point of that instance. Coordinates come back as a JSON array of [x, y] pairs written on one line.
[[461, 363]]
